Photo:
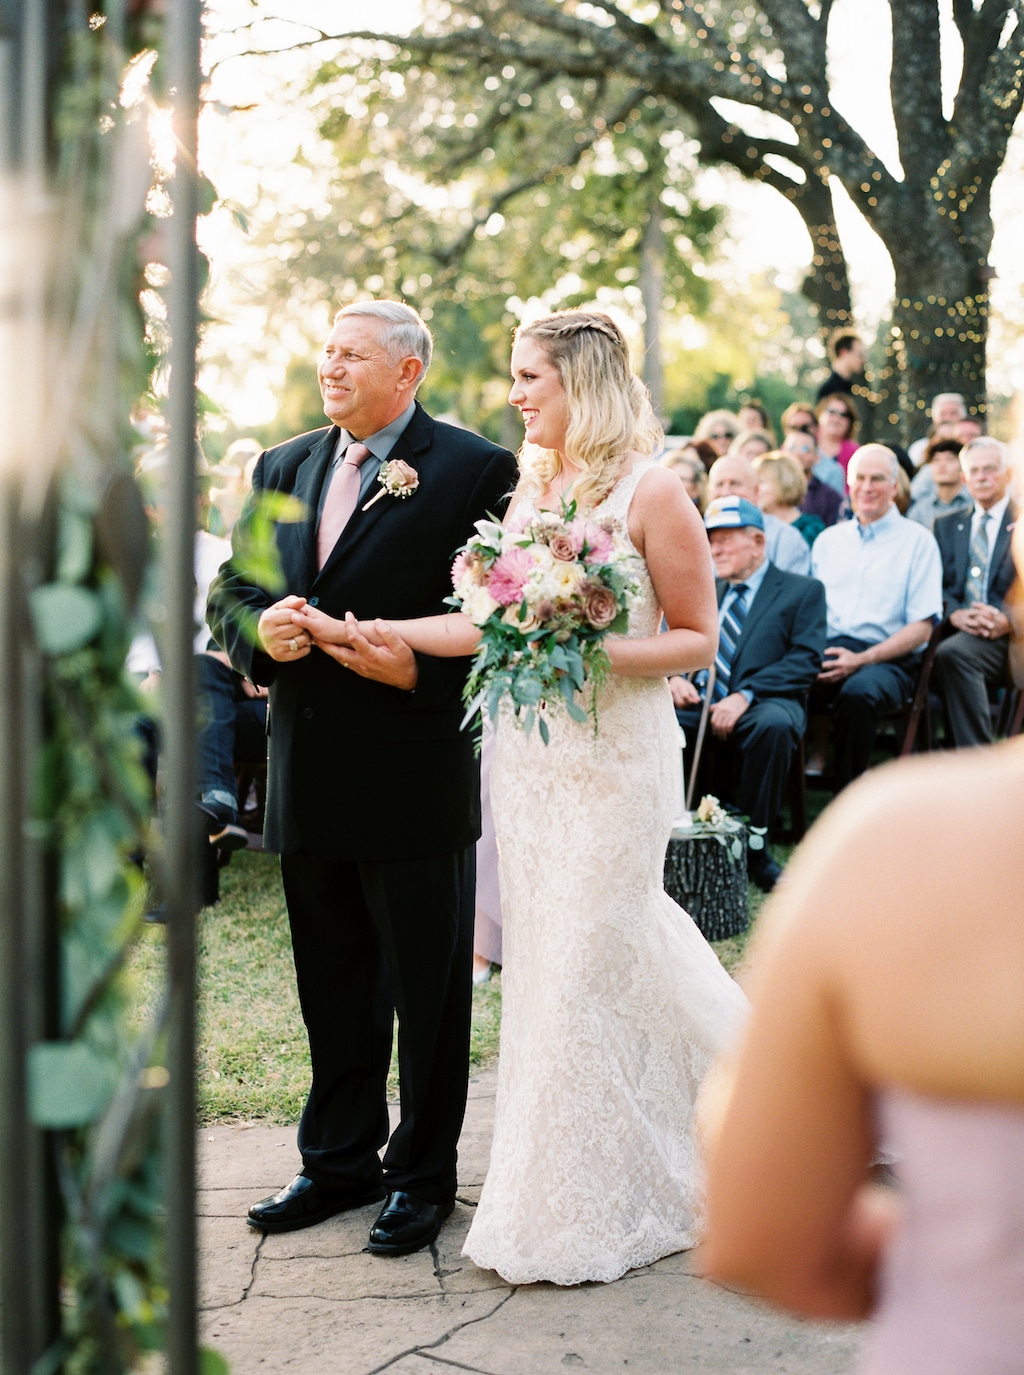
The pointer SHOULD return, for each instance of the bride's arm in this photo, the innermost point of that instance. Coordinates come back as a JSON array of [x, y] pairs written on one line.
[[667, 529], [446, 637]]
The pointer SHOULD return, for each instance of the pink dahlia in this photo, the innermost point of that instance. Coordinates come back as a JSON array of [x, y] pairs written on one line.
[[508, 576], [600, 546]]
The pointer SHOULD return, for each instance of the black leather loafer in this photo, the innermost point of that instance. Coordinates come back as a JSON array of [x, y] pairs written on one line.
[[304, 1203], [406, 1224]]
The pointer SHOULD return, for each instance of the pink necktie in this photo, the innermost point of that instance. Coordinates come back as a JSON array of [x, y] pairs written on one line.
[[340, 502]]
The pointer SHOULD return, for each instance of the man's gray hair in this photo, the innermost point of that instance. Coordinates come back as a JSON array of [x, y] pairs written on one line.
[[403, 332], [983, 441], [894, 462], [949, 396]]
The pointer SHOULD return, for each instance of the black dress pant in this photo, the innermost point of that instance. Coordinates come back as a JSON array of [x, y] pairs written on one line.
[[858, 703], [371, 939], [751, 767]]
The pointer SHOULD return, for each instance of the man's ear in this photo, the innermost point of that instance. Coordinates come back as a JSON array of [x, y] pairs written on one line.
[[410, 371]]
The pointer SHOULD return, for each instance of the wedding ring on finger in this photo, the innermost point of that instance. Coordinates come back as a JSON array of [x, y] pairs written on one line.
[[293, 645]]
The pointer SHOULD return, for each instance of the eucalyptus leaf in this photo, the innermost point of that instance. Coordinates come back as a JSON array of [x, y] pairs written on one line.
[[545, 734], [64, 617], [69, 1084], [212, 1363]]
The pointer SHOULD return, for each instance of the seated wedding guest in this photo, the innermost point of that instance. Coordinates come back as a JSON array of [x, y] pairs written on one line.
[[799, 418], [753, 416], [945, 414], [977, 574], [883, 585], [820, 499], [838, 422], [705, 451], [781, 487], [735, 476], [846, 349], [687, 466], [718, 428], [750, 444], [887, 991], [948, 493], [771, 641]]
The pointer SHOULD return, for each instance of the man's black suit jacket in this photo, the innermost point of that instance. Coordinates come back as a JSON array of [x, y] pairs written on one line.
[[782, 643], [953, 534], [357, 769]]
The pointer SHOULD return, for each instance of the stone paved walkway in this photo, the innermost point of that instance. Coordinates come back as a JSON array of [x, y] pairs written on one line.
[[313, 1301]]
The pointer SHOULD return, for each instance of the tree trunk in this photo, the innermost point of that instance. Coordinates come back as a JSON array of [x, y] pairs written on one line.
[[938, 339], [652, 290], [703, 876]]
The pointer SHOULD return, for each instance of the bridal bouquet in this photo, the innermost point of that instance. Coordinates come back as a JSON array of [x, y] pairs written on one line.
[[545, 591]]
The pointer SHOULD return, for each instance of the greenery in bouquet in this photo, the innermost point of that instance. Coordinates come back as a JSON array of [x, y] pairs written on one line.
[[545, 590]]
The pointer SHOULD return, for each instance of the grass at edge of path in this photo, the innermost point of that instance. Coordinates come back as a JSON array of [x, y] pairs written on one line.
[[252, 1058]]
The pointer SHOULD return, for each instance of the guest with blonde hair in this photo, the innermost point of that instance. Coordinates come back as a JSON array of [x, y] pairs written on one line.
[[781, 487], [719, 428]]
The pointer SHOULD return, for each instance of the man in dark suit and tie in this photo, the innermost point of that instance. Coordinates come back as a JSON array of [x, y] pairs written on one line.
[[977, 571], [771, 646], [373, 789]]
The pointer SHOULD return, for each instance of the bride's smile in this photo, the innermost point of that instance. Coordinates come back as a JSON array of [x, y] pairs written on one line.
[[539, 396]]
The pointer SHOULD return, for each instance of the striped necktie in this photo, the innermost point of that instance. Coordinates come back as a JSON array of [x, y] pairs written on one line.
[[976, 584], [728, 637]]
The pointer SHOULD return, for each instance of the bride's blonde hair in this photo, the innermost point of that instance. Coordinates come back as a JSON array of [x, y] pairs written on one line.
[[610, 411]]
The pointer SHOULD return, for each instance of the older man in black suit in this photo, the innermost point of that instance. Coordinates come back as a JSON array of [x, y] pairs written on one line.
[[373, 793], [772, 642], [977, 572]]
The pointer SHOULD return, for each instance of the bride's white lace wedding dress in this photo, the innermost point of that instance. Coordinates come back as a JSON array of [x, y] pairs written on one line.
[[613, 1004]]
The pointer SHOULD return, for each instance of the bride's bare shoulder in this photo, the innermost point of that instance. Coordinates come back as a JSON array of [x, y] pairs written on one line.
[[903, 906]]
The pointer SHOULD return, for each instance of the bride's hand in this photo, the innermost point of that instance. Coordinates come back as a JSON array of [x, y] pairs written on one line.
[[324, 630]]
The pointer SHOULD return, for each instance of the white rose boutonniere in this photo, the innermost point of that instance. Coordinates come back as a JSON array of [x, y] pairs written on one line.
[[396, 479]]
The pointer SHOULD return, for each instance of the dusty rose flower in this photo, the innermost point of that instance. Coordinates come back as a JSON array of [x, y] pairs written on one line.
[[545, 611], [601, 607], [396, 479], [563, 548]]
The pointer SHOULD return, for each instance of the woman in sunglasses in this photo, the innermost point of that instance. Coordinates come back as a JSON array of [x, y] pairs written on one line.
[[838, 422]]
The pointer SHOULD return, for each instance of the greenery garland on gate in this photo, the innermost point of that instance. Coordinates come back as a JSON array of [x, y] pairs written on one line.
[[96, 1083]]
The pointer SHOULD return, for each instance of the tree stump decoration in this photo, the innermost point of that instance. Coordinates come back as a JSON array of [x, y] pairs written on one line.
[[704, 876]]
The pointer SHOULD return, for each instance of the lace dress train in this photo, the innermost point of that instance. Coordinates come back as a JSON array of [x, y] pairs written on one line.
[[613, 1004]]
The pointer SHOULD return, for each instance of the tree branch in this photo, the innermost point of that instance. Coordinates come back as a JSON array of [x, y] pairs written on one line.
[[915, 88], [454, 252]]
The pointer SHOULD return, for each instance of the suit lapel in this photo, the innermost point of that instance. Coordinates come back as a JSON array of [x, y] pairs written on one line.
[[1002, 541], [297, 541], [962, 546], [755, 610]]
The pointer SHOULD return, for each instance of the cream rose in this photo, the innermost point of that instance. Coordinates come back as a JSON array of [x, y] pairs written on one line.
[[479, 605]]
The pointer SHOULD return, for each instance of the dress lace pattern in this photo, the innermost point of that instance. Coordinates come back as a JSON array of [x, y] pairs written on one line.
[[613, 1004]]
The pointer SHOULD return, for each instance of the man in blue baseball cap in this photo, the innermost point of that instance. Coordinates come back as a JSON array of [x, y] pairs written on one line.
[[772, 640]]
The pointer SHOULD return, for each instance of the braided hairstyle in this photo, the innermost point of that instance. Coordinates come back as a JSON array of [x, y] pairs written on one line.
[[610, 413]]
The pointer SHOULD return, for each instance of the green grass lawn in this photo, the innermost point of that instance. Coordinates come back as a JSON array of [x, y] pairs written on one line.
[[252, 1054]]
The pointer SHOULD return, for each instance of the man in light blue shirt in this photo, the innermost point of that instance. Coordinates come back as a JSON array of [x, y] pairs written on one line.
[[883, 588], [784, 546]]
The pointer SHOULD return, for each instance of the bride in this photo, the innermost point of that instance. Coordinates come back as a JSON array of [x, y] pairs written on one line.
[[613, 1005]]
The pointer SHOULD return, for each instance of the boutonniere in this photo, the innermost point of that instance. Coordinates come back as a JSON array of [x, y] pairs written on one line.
[[396, 479]]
